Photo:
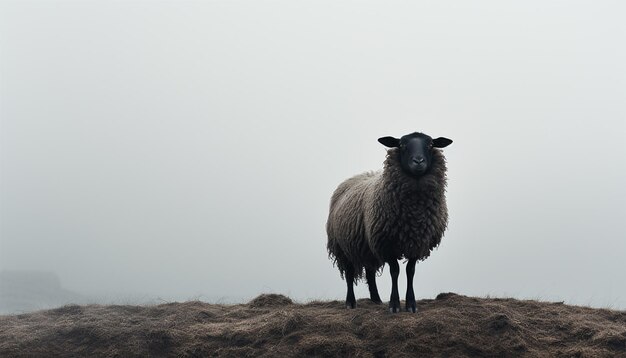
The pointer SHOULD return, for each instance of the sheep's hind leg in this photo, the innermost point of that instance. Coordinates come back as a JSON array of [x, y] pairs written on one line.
[[410, 295], [394, 301], [350, 300], [371, 284]]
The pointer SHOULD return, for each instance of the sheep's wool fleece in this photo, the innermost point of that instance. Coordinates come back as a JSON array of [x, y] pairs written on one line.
[[379, 216]]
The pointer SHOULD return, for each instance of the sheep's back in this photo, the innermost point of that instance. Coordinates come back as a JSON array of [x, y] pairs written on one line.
[[345, 225]]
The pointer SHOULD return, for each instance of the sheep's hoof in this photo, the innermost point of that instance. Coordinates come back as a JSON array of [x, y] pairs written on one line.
[[375, 297], [350, 305], [394, 307], [411, 307]]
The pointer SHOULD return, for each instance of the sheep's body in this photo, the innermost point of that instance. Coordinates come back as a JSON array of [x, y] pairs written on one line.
[[388, 215]]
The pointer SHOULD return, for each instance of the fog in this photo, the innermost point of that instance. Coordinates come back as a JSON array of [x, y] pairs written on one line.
[[188, 150]]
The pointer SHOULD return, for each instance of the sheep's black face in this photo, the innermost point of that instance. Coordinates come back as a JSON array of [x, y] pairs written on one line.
[[416, 151]]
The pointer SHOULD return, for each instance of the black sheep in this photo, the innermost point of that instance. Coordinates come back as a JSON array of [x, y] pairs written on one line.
[[382, 217]]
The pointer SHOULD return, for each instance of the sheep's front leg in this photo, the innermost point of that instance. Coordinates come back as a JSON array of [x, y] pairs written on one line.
[[350, 299], [410, 295], [394, 301]]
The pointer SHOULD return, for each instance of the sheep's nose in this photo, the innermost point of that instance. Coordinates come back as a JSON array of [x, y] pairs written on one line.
[[418, 160]]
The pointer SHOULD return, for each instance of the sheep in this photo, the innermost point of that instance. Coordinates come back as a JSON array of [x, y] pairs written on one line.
[[384, 216]]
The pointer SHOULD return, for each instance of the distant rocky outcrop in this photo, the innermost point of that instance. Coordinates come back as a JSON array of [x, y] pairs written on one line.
[[24, 291]]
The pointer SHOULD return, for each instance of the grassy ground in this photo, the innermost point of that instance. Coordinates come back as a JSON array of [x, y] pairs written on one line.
[[271, 325]]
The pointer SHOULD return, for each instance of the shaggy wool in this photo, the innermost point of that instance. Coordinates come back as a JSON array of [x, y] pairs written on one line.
[[387, 215]]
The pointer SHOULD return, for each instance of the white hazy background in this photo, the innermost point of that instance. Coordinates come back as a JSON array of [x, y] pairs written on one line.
[[189, 149]]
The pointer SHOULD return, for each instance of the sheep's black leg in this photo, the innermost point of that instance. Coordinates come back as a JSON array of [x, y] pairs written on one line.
[[394, 301], [350, 300], [410, 295], [371, 283]]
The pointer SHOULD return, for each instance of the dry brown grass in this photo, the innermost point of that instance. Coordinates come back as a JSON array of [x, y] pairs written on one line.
[[273, 326]]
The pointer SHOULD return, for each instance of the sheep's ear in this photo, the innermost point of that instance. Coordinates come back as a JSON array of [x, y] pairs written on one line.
[[441, 142], [390, 142]]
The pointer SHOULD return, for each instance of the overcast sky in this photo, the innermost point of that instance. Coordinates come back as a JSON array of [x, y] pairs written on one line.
[[181, 150]]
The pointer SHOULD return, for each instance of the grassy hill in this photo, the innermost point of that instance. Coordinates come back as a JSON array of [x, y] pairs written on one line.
[[272, 325]]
